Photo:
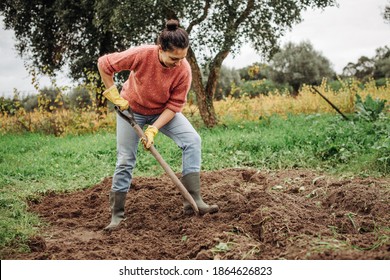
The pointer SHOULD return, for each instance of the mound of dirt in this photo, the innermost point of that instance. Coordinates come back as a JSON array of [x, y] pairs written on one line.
[[291, 214]]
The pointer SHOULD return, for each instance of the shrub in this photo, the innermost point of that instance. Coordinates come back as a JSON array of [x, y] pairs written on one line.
[[257, 87], [50, 99], [381, 82], [9, 106], [382, 148], [80, 98], [369, 109], [30, 103], [335, 85]]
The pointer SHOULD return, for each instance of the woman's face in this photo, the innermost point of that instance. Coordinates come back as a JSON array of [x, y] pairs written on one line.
[[172, 58]]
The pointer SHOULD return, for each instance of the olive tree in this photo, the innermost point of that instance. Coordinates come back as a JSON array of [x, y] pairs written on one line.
[[298, 64], [365, 68]]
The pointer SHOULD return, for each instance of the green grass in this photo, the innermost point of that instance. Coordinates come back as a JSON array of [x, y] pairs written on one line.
[[317, 142], [32, 164]]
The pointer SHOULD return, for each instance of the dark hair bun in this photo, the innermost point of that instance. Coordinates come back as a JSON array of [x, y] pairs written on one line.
[[173, 36], [172, 24]]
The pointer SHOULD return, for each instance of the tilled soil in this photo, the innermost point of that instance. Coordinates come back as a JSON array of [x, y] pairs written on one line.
[[290, 214]]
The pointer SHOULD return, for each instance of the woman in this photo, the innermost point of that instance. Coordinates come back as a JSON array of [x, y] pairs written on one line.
[[156, 91]]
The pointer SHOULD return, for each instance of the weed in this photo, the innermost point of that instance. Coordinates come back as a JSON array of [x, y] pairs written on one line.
[[350, 217], [254, 250], [382, 239], [222, 247], [184, 238]]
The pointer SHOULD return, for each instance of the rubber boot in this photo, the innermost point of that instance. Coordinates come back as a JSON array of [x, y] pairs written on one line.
[[192, 183], [117, 206]]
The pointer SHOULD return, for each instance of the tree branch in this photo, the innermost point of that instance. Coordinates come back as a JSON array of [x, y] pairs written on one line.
[[201, 18], [229, 39], [245, 13], [216, 64]]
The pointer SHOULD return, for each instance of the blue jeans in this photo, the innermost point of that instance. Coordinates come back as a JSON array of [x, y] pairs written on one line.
[[179, 129]]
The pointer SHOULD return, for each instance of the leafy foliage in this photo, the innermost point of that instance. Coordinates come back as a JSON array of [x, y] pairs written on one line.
[[53, 33], [299, 64], [257, 71], [365, 68], [9, 106], [382, 63], [369, 109], [386, 13], [258, 87], [383, 153], [80, 98]]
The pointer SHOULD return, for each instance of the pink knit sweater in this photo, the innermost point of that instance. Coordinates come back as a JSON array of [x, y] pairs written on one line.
[[151, 87]]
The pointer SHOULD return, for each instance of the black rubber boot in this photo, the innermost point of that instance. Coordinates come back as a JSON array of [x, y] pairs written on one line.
[[192, 183], [117, 206]]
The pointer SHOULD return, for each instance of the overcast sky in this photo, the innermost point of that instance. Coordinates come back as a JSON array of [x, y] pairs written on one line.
[[342, 34]]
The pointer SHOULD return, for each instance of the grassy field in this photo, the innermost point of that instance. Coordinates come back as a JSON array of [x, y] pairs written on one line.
[[32, 164]]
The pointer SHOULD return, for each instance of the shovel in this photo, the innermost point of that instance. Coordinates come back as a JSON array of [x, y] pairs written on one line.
[[330, 103], [130, 119]]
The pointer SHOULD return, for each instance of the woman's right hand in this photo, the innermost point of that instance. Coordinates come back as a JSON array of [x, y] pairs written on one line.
[[112, 94]]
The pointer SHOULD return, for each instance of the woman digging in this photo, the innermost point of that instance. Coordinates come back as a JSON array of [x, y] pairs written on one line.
[[155, 91]]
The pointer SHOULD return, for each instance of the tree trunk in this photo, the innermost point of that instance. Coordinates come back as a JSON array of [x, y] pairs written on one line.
[[204, 98], [215, 71], [205, 95], [106, 46]]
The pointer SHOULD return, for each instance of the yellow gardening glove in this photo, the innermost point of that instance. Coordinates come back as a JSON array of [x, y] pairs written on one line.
[[112, 94], [150, 133]]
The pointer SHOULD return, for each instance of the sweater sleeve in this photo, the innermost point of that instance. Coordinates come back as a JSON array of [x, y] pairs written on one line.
[[179, 94], [118, 61]]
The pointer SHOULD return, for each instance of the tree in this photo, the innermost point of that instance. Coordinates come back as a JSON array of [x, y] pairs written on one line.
[[256, 71], [362, 69], [53, 33], [59, 32], [386, 13], [376, 67], [382, 63], [299, 64]]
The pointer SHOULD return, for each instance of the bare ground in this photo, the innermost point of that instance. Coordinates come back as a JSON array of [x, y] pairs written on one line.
[[290, 214]]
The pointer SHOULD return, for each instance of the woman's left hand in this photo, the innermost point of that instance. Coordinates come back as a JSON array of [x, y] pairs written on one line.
[[150, 133]]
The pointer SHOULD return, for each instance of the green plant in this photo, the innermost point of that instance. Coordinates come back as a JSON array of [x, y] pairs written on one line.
[[222, 247], [335, 85], [350, 216], [10, 106], [369, 109], [255, 88], [383, 154]]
